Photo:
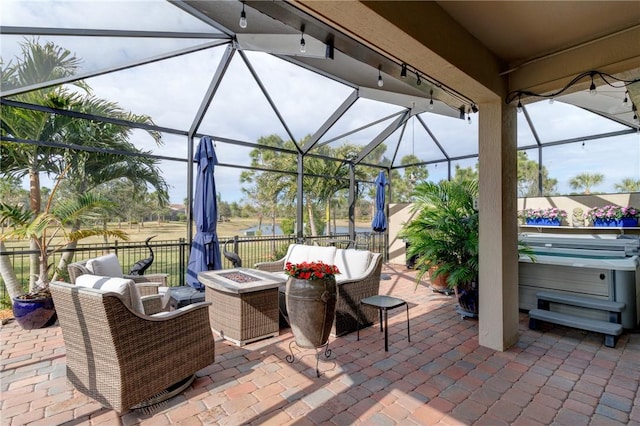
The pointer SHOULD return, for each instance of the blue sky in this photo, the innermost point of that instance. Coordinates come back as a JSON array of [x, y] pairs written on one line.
[[171, 92]]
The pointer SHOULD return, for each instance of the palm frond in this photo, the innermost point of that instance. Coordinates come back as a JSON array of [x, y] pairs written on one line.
[[14, 215], [99, 232]]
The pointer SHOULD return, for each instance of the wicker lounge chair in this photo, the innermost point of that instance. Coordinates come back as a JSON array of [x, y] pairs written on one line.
[[352, 285], [147, 284], [122, 358]]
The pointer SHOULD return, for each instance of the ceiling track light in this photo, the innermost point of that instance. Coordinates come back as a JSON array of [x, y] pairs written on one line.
[[626, 93], [446, 91], [474, 108], [519, 107], [303, 44], [608, 79], [243, 18], [431, 100], [380, 82]]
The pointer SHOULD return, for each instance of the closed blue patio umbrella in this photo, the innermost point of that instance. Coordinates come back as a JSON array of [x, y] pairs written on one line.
[[205, 250], [379, 222]]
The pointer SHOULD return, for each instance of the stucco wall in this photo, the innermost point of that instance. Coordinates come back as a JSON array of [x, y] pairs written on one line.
[[399, 214]]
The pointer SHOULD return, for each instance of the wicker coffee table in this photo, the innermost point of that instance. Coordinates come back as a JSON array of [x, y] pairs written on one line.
[[244, 303]]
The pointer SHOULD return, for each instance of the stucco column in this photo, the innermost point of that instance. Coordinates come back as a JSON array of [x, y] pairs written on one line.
[[498, 281]]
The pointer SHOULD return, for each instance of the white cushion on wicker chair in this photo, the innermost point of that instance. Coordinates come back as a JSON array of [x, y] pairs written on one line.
[[105, 266], [127, 288], [299, 253], [352, 263]]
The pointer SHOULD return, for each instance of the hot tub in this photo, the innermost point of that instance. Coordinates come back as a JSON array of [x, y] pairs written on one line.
[[592, 266]]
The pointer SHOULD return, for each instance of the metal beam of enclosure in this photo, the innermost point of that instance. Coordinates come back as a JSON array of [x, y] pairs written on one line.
[[78, 77], [335, 116], [366, 126], [266, 95], [92, 32], [383, 135], [300, 199]]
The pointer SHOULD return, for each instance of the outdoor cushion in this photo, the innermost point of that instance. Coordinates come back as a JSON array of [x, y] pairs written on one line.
[[351, 263], [106, 266], [299, 253], [123, 286]]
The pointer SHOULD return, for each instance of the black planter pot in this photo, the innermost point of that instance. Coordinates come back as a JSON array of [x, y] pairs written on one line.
[[34, 313], [311, 306], [467, 302]]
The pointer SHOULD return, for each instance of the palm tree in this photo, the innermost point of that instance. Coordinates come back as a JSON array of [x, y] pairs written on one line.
[[49, 231], [586, 181], [628, 185], [46, 62]]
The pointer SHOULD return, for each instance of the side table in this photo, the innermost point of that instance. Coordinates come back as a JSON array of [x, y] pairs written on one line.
[[383, 304], [183, 296]]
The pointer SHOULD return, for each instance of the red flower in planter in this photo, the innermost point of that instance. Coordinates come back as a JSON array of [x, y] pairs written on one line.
[[310, 270]]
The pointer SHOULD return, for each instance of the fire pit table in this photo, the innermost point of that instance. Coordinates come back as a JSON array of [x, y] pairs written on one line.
[[244, 303]]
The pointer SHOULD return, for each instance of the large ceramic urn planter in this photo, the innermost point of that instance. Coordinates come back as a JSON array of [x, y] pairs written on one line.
[[311, 305], [34, 313]]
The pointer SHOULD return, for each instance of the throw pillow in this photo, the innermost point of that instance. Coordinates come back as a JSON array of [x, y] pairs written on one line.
[[105, 266], [126, 288]]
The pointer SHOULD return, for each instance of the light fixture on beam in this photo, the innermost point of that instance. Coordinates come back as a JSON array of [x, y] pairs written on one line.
[[285, 44], [303, 44], [243, 18], [380, 82], [431, 106], [403, 71], [418, 80]]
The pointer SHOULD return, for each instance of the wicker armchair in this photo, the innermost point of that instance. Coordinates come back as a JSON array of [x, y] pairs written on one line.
[[350, 291], [121, 358], [147, 284]]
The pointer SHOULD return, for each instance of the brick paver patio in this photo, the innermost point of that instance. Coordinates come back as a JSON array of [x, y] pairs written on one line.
[[556, 376]]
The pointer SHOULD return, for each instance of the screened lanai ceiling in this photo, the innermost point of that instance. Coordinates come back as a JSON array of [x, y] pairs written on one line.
[[195, 71]]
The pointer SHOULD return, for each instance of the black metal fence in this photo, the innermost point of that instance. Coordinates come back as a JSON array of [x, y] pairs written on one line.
[[171, 256]]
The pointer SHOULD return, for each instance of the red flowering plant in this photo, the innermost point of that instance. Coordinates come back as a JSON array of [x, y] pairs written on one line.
[[310, 270]]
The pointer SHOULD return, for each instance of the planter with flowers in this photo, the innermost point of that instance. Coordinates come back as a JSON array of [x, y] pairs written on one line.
[[311, 295], [551, 216], [614, 216]]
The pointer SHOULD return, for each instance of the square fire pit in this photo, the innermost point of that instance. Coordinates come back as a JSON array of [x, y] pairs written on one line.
[[244, 303]]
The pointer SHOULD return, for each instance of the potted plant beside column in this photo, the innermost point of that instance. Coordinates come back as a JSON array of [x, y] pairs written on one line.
[[444, 236]]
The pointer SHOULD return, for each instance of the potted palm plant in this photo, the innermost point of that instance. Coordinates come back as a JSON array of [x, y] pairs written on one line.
[[48, 231], [444, 237]]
